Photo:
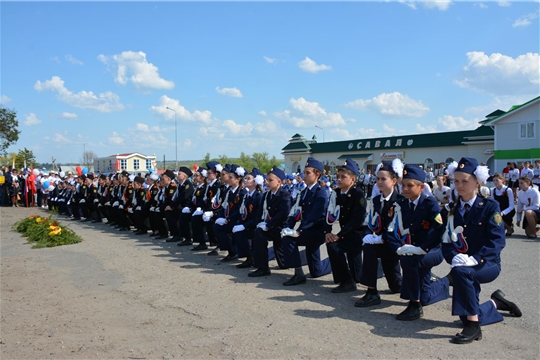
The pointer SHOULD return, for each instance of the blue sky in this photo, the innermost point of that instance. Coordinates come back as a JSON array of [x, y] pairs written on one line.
[[246, 76]]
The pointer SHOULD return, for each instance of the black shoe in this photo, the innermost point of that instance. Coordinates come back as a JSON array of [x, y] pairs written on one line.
[[230, 257], [368, 300], [185, 243], [152, 234], [87, 219], [213, 252], [295, 280], [246, 264], [173, 239], [200, 247], [161, 237], [411, 313], [344, 287], [505, 305], [111, 224], [467, 335], [141, 232], [96, 221], [123, 229], [260, 272]]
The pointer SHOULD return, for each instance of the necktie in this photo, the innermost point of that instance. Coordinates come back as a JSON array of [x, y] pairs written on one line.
[[467, 208], [411, 206]]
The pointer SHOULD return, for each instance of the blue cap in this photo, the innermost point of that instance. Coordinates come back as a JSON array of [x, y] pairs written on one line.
[[324, 178], [255, 172], [278, 172], [350, 165], [290, 177], [301, 176], [414, 172], [314, 163], [211, 165], [227, 168], [467, 165], [235, 167]]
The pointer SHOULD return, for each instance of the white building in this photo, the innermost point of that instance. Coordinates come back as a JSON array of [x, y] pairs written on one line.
[[131, 162]]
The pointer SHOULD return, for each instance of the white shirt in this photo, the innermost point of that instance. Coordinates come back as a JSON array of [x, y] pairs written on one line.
[[528, 200], [510, 195]]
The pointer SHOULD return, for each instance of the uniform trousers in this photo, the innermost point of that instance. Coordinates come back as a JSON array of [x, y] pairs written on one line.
[[466, 293], [261, 253], [171, 216], [312, 239], [224, 237], [184, 226], [198, 227], [241, 242], [346, 262], [389, 262], [417, 283]]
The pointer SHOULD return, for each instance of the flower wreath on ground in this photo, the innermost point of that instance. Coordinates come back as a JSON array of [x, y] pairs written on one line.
[[45, 232]]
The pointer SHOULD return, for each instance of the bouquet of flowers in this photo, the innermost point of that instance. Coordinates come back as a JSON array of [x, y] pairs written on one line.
[[45, 232]]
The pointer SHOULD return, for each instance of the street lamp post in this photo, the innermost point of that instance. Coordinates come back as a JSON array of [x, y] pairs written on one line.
[[175, 138], [317, 126]]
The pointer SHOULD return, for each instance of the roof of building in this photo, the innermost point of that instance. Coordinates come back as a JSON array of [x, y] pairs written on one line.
[[442, 139], [490, 119]]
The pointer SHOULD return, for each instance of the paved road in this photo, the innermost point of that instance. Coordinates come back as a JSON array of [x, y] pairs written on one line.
[[116, 295]]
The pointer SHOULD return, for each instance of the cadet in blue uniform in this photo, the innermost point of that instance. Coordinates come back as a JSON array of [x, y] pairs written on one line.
[[276, 205], [349, 205], [250, 216], [472, 244], [416, 237], [376, 244], [310, 210], [229, 213]]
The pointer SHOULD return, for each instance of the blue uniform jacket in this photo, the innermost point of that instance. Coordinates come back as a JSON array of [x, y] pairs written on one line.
[[314, 205], [483, 233], [252, 216], [277, 207], [385, 213], [352, 212], [234, 199], [425, 224]]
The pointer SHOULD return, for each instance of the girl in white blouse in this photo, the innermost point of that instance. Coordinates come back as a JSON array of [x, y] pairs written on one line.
[[528, 208], [505, 197]]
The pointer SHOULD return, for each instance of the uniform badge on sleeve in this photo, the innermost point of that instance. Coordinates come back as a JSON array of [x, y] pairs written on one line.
[[362, 202], [187, 186], [438, 219], [497, 218]]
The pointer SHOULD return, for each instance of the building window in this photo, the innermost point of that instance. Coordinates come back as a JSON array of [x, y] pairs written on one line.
[[123, 164], [448, 161], [428, 163], [526, 130], [135, 164], [148, 164], [97, 165]]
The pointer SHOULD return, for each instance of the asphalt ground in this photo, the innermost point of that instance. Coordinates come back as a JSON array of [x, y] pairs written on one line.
[[117, 295]]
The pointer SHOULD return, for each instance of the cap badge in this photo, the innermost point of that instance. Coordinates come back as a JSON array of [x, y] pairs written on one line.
[[461, 166]]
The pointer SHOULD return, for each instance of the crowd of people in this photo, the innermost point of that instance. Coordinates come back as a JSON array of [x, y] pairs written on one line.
[[405, 221]]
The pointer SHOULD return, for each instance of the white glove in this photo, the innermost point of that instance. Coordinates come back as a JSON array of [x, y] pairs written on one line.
[[99, 205], [96, 200], [238, 228], [221, 221], [130, 210], [115, 204], [410, 250], [262, 225], [186, 210], [61, 200], [208, 214], [82, 201], [69, 202], [152, 208], [157, 209], [198, 212], [138, 208], [373, 239], [121, 207], [289, 232], [205, 218], [463, 260], [108, 203]]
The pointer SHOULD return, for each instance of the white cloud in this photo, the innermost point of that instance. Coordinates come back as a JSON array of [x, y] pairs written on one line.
[[237, 129], [116, 139], [31, 120], [104, 102], [499, 74], [481, 5], [133, 67], [68, 115], [55, 59], [436, 4], [525, 20], [232, 92], [181, 112], [451, 123], [72, 60], [59, 138], [262, 113], [4, 99], [187, 144], [311, 66], [426, 129], [504, 3], [499, 102], [301, 113], [393, 104], [269, 59]]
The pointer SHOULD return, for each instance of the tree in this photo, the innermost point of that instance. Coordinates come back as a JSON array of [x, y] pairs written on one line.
[[245, 161], [7, 160], [9, 134], [223, 159], [206, 158], [88, 158], [25, 156], [263, 163]]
